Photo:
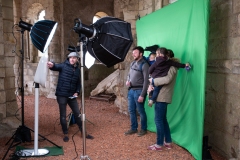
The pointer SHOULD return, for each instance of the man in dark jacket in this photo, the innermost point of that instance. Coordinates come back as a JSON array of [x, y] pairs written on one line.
[[68, 88]]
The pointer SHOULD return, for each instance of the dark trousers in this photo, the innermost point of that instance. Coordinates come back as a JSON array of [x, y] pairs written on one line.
[[62, 102], [155, 93]]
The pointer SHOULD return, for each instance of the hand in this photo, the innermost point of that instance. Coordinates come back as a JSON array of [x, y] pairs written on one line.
[[140, 99], [187, 65], [128, 83], [150, 88], [50, 64], [75, 95]]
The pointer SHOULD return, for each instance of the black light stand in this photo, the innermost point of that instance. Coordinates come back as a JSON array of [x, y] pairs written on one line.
[[19, 133], [22, 133]]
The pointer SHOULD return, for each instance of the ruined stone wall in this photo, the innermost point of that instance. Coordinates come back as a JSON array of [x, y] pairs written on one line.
[[8, 105], [222, 110], [64, 13], [28, 11]]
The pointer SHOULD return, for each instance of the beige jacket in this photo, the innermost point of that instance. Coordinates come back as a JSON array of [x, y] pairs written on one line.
[[166, 92]]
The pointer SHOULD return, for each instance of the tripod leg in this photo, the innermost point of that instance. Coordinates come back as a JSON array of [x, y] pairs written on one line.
[[90, 121], [49, 141], [10, 146], [10, 139], [69, 119]]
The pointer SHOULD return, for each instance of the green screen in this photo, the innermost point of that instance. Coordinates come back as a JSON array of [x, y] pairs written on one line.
[[182, 27]]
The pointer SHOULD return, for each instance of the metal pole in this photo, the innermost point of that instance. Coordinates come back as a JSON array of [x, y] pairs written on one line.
[[36, 119], [84, 156], [22, 78]]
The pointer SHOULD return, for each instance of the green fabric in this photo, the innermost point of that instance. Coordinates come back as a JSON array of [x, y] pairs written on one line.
[[53, 151], [182, 27]]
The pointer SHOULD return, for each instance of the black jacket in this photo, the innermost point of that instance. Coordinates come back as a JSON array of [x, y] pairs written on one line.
[[68, 79]]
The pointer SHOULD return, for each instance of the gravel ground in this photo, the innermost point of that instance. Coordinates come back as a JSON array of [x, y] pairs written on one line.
[[105, 123]]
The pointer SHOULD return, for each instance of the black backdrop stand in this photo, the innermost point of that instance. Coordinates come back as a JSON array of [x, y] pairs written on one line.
[[23, 134], [206, 155]]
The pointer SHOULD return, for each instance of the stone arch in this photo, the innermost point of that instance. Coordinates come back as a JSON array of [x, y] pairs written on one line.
[[31, 17], [99, 15]]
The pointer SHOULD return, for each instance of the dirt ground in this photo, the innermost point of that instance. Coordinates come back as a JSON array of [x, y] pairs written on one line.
[[105, 123]]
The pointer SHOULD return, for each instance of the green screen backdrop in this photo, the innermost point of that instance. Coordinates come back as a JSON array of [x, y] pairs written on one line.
[[182, 27]]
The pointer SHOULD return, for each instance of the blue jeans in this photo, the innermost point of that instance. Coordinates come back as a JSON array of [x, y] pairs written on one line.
[[134, 105], [62, 102], [163, 130], [155, 93]]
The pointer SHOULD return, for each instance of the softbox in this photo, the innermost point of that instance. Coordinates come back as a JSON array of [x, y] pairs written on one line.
[[112, 41]]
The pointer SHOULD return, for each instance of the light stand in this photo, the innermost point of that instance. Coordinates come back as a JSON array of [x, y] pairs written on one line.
[[17, 135], [109, 40], [47, 29], [83, 156], [24, 132]]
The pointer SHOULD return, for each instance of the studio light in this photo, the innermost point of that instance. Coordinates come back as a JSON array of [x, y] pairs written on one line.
[[41, 34], [108, 40]]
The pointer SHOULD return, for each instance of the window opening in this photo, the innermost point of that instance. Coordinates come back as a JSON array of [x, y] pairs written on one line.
[[41, 17]]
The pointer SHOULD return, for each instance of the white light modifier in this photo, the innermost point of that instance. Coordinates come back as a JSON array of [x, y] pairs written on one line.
[[50, 38], [41, 72], [89, 60]]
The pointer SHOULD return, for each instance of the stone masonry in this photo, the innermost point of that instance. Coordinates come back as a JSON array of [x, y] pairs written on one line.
[[222, 109], [8, 105]]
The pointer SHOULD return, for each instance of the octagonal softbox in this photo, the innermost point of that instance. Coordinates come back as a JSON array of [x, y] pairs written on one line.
[[112, 41]]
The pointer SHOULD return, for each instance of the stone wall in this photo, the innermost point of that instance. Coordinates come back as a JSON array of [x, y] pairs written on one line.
[[28, 11], [222, 120], [64, 36], [8, 105]]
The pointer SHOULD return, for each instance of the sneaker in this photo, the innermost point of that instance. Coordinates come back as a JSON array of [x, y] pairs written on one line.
[[129, 132], [168, 145], [155, 147], [150, 103], [141, 133]]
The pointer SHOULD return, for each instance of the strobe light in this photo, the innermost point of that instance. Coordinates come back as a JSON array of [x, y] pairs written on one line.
[[41, 33], [109, 39], [80, 28]]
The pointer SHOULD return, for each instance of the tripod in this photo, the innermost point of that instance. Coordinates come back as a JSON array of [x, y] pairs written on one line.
[[23, 133]]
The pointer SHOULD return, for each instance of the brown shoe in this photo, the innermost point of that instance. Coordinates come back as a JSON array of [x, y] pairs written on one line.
[[129, 132], [142, 133]]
